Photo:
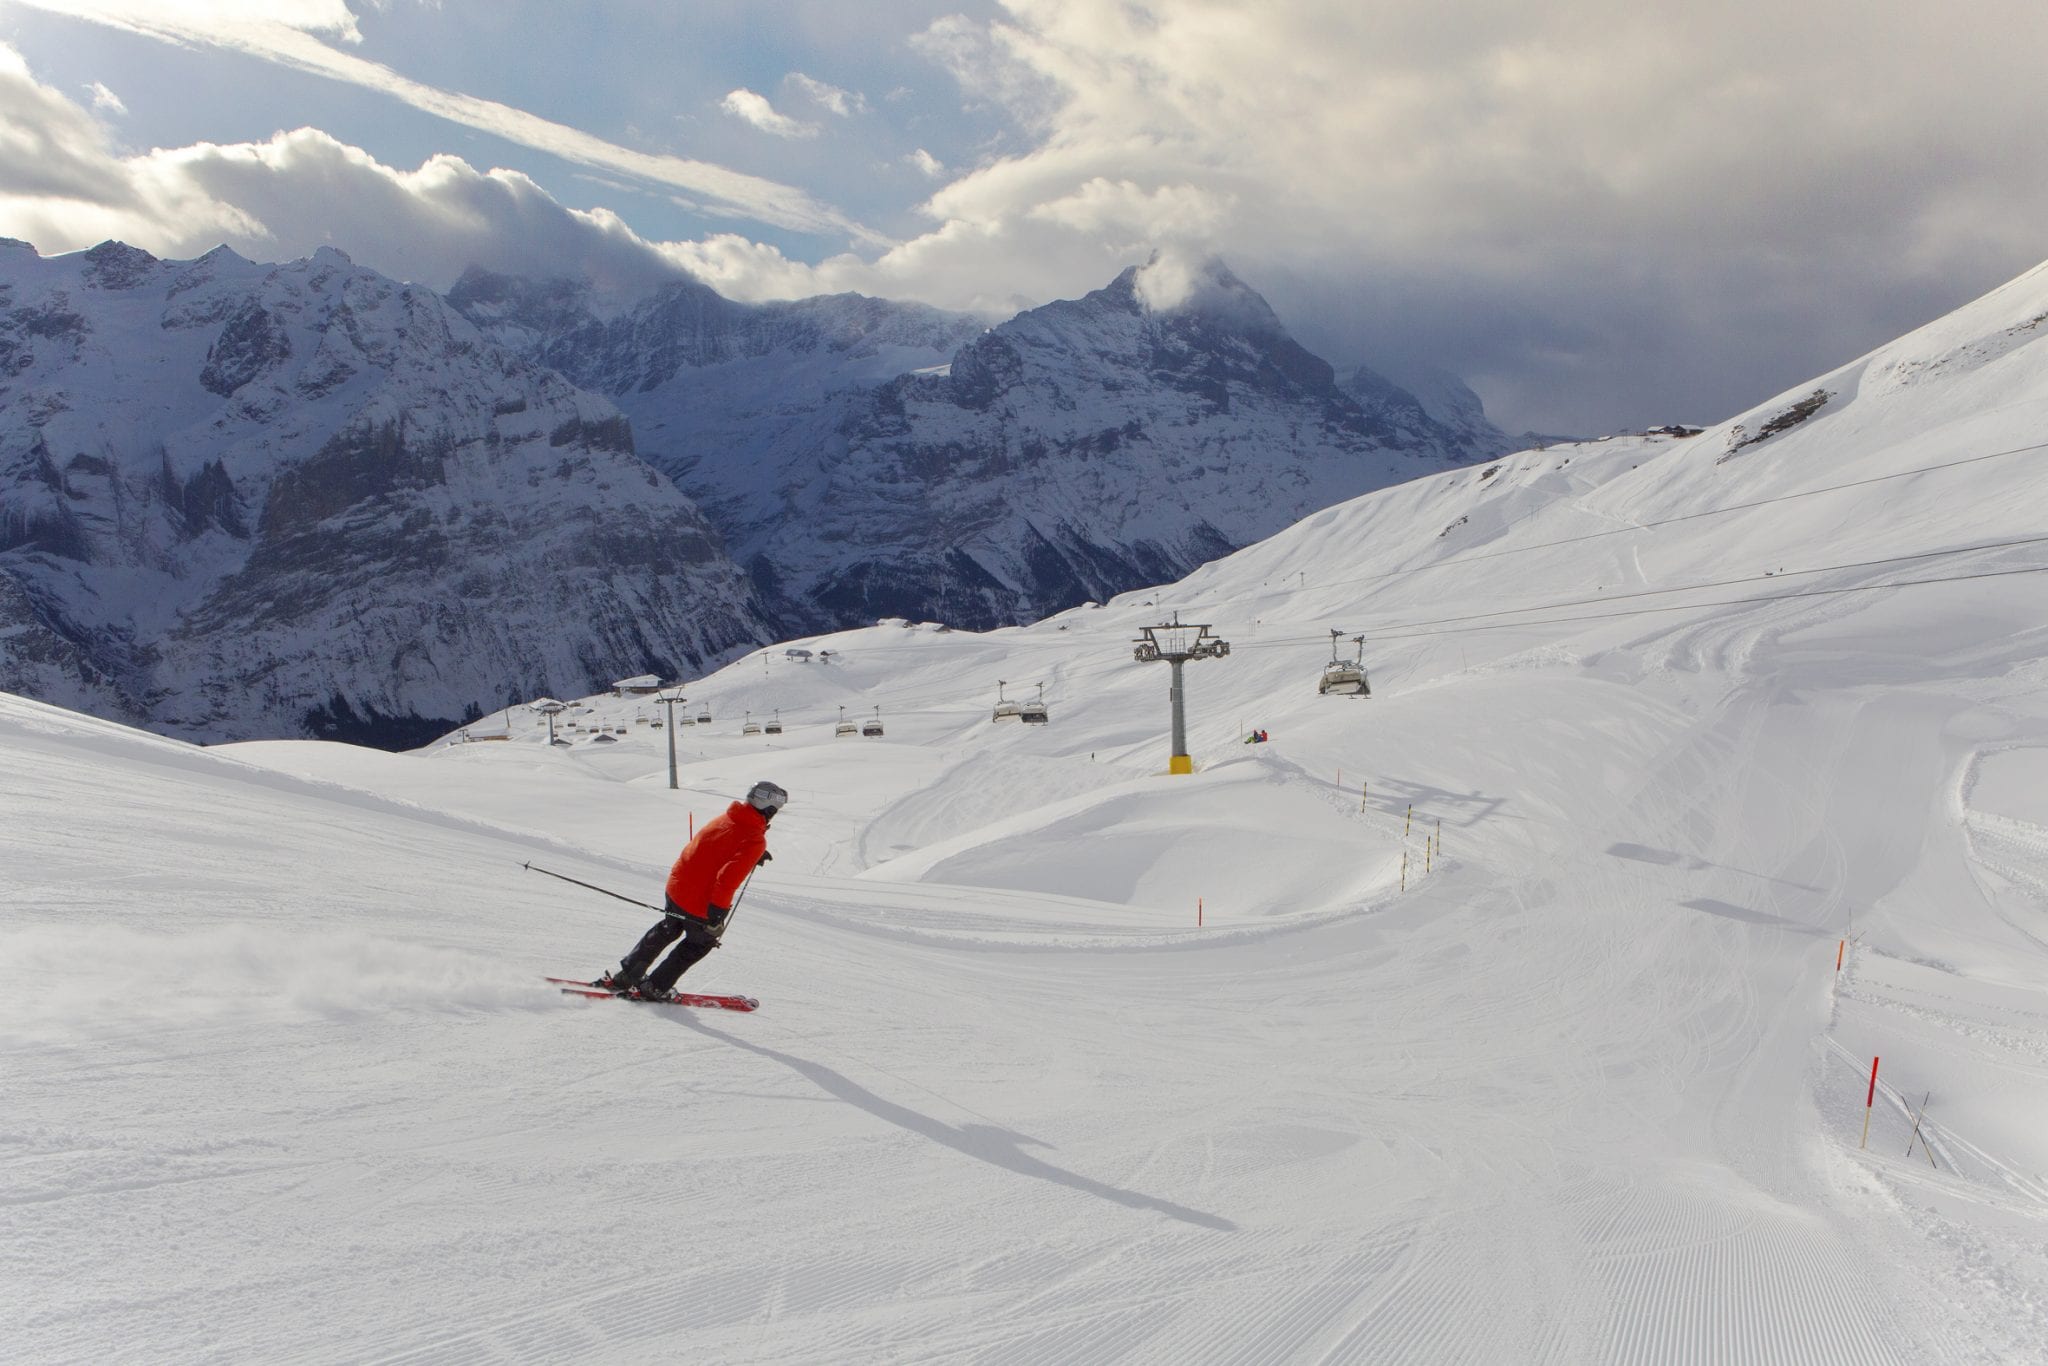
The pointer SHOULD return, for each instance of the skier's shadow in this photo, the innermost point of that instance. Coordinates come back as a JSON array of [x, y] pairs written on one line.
[[986, 1142]]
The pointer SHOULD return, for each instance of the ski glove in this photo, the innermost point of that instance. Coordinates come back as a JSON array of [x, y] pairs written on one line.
[[766, 857], [715, 916]]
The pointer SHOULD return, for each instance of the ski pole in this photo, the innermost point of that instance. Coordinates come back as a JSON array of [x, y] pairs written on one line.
[[532, 868], [734, 909]]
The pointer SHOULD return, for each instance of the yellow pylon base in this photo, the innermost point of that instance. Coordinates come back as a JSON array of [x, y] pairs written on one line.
[[1180, 763]]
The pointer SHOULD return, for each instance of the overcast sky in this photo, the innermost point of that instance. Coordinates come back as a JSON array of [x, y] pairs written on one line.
[[1600, 213]]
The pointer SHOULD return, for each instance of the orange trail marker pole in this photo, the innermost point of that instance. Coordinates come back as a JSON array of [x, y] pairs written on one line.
[[1840, 947], [693, 825], [1868, 1101], [1198, 913]]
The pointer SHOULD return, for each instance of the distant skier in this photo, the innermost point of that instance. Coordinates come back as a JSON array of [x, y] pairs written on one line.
[[707, 875]]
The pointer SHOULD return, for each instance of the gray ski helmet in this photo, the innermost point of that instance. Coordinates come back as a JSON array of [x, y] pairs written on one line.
[[767, 798]]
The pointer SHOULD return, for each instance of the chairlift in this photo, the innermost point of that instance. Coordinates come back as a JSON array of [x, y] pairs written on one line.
[[1034, 713], [1344, 677], [774, 727], [704, 715], [873, 725], [1006, 710], [845, 727], [752, 727]]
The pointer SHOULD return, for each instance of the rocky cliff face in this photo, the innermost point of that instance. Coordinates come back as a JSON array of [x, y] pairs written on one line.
[[865, 459], [243, 500]]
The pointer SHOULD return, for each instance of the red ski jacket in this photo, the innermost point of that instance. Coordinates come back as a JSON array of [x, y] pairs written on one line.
[[714, 866]]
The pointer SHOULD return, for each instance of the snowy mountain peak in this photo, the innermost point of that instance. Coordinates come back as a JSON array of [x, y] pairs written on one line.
[[261, 499], [116, 265], [1172, 283]]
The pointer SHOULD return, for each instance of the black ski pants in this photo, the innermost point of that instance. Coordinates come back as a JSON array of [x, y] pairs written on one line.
[[698, 940]]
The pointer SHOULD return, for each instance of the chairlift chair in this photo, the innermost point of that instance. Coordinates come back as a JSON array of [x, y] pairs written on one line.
[[1006, 710], [752, 727], [845, 727], [774, 727], [704, 715], [1344, 677], [873, 725], [1034, 713]]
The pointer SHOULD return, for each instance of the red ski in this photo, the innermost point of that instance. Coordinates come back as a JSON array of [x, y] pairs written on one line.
[[572, 987]]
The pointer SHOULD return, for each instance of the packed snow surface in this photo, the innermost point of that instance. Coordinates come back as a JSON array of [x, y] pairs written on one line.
[[1581, 1083]]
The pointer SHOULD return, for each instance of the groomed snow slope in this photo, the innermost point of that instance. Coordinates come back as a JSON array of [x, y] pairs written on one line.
[[282, 1079]]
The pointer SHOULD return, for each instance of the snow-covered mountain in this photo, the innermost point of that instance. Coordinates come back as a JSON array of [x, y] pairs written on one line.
[[1430, 402], [1524, 1011], [238, 499], [866, 458]]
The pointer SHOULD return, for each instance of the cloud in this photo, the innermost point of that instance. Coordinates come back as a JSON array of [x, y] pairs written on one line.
[[106, 100], [1603, 211], [49, 147], [842, 103], [62, 187], [748, 107], [1600, 212], [288, 38]]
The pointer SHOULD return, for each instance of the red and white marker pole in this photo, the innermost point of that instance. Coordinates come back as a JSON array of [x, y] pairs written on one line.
[[1868, 1101]]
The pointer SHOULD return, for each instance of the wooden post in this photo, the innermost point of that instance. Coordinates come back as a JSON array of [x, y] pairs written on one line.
[[1428, 855], [1868, 1101]]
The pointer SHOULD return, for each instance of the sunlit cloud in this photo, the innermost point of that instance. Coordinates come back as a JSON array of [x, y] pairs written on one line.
[[927, 164], [254, 28], [843, 103], [754, 109], [106, 100]]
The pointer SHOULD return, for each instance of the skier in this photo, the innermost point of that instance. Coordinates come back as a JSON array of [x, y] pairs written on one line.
[[707, 875]]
